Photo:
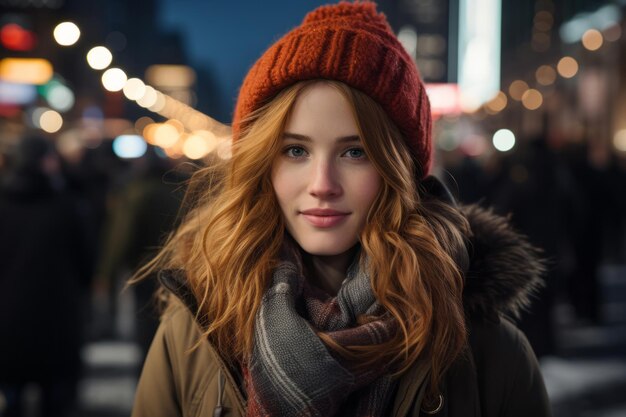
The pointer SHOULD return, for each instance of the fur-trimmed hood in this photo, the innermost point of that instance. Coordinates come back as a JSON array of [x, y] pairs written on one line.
[[505, 269]]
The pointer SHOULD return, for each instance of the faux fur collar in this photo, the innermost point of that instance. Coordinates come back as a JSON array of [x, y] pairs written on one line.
[[505, 269]]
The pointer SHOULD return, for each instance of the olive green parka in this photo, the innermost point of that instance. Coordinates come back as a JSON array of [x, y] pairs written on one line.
[[498, 376]]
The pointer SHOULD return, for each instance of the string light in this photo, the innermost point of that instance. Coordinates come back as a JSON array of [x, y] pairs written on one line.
[[592, 40], [134, 89], [50, 121], [99, 57], [532, 99], [567, 67], [517, 89], [497, 104], [504, 140], [166, 135], [148, 98], [66, 33], [545, 75], [114, 79]]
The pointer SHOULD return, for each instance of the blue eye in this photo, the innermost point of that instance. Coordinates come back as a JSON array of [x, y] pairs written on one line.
[[355, 153], [295, 152]]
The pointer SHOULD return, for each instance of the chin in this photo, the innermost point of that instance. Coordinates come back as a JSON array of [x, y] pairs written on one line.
[[326, 249]]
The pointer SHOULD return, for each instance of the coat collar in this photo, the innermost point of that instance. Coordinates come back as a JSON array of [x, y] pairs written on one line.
[[505, 269]]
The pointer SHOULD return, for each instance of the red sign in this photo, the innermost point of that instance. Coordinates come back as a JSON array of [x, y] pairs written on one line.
[[445, 99], [16, 38]]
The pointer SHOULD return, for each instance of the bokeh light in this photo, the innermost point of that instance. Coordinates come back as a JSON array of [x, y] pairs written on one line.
[[99, 57], [129, 146], [17, 38], [497, 104], [180, 128], [532, 99], [543, 20], [619, 140], [592, 39], [196, 147], [134, 89], [148, 98], [50, 121], [224, 148], [175, 152], [141, 124], [166, 135], [35, 116], [60, 97], [540, 41], [504, 140], [149, 132], [474, 145], [26, 70], [114, 79], [567, 67], [159, 103], [170, 76], [517, 89], [17, 93], [66, 33], [545, 75], [448, 141]]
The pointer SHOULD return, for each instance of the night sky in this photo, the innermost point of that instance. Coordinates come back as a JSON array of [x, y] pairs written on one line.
[[226, 37]]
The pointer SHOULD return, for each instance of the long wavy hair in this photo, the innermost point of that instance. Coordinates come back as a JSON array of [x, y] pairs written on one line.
[[228, 243]]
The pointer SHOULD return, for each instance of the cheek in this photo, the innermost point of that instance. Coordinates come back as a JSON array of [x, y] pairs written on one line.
[[282, 183], [370, 185]]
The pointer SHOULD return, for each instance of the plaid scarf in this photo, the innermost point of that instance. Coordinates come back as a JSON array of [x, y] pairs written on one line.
[[291, 372]]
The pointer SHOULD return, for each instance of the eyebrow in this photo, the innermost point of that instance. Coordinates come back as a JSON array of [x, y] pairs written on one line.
[[304, 138]]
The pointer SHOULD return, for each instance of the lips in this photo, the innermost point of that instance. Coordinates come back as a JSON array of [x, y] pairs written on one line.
[[324, 218]]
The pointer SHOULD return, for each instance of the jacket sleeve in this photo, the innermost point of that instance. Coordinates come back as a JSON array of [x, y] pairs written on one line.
[[157, 394], [509, 377]]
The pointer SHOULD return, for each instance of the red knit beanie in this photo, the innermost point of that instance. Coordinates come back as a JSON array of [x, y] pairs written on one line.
[[351, 43]]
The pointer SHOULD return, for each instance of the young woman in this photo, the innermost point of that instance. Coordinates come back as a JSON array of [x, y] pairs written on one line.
[[320, 271]]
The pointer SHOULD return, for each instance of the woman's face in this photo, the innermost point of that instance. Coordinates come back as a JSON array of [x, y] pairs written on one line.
[[324, 182]]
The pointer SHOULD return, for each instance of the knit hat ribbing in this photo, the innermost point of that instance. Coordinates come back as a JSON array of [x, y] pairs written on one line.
[[351, 43]]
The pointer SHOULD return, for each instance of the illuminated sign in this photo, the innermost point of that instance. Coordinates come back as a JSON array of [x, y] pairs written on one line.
[[18, 94], [445, 99], [25, 70], [479, 51], [16, 38]]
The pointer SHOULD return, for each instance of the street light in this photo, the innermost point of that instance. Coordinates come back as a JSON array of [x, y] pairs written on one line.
[[66, 33]]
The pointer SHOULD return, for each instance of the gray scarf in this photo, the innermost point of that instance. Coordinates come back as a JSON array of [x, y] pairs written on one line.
[[292, 372]]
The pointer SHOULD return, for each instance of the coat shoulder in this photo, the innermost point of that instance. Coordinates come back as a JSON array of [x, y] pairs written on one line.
[[180, 373], [507, 372]]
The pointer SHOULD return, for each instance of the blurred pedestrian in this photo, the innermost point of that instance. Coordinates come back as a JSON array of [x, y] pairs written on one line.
[[322, 271], [538, 190], [141, 215], [43, 272]]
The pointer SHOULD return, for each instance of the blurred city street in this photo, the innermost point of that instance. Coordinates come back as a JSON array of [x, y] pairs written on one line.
[[107, 109]]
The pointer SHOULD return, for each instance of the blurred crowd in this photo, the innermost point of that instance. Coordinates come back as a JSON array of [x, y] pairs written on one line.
[[71, 233], [571, 208]]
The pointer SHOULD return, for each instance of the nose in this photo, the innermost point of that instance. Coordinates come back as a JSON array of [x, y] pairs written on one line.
[[324, 181]]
